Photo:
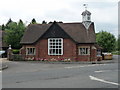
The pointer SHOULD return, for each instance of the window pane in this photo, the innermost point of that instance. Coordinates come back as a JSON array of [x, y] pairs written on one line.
[[60, 40], [86, 50], [51, 51], [51, 46], [59, 43], [59, 46], [30, 51], [56, 40], [60, 51], [54, 51], [57, 51], [53, 40], [81, 51], [27, 50]]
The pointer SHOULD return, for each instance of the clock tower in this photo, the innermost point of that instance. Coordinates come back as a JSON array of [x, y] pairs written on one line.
[[86, 18]]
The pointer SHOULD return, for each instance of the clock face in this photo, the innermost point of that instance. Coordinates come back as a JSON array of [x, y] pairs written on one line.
[[88, 18]]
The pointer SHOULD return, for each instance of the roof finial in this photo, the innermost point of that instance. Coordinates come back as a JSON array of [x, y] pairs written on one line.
[[85, 5]]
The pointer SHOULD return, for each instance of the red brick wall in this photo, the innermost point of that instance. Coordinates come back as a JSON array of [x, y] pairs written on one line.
[[90, 57], [23, 52], [93, 54], [70, 51]]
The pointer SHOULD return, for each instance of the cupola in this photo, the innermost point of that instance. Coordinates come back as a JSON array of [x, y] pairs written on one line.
[[86, 17]]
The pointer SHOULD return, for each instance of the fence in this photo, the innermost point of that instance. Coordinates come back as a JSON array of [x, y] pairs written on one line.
[[16, 57]]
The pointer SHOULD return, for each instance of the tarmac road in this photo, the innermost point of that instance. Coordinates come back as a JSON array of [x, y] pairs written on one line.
[[37, 75]]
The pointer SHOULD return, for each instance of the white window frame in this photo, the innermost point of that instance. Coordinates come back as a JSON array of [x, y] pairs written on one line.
[[84, 52], [54, 46], [34, 50]]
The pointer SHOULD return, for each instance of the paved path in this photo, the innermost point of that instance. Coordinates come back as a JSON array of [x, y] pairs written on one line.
[[2, 64]]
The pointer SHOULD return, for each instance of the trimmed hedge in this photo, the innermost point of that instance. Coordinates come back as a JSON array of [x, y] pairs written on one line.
[[15, 51], [116, 53]]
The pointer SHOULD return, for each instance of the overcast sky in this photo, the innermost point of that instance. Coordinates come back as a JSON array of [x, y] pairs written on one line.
[[104, 12]]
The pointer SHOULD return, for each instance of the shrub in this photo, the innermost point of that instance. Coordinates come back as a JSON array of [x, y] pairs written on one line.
[[15, 51]]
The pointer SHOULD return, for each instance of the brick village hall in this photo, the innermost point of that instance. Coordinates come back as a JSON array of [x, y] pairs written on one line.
[[59, 41]]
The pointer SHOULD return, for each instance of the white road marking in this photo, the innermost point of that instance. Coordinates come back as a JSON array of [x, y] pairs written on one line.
[[101, 71], [84, 66], [101, 80], [0, 71]]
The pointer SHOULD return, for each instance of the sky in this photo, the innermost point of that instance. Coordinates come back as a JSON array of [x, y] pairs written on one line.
[[104, 12]]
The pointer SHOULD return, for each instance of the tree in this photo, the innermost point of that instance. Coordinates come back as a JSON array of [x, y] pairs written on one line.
[[14, 34], [0, 27], [7, 24], [44, 22], [118, 43], [33, 21], [106, 40], [3, 27]]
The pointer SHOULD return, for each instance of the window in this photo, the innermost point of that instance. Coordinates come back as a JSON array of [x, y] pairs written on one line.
[[98, 52], [84, 51], [30, 51], [55, 46]]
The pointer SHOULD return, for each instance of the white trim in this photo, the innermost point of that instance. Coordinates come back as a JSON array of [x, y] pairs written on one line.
[[49, 46], [29, 48], [85, 47]]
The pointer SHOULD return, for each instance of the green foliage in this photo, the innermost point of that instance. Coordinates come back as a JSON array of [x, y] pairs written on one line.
[[7, 24], [44, 22], [118, 43], [0, 27], [33, 21], [15, 51], [3, 27], [116, 53], [14, 33], [106, 40]]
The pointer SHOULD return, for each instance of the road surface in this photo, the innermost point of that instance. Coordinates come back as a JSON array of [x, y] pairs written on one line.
[[38, 75]]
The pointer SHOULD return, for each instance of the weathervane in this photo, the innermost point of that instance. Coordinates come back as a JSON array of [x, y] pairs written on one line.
[[85, 5]]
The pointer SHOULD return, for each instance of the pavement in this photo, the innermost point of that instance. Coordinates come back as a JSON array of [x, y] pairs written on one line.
[[2, 65]]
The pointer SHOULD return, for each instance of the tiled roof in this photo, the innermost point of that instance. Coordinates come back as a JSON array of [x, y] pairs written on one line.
[[76, 31]]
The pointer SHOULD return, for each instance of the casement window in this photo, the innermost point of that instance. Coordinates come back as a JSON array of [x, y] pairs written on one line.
[[55, 46], [30, 51], [84, 51]]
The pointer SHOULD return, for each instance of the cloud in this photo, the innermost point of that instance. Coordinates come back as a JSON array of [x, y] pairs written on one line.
[[103, 11], [106, 15]]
